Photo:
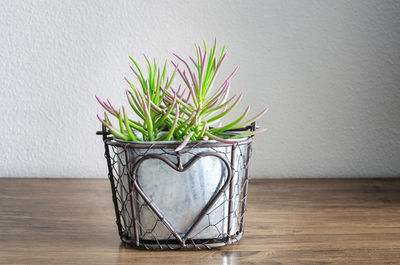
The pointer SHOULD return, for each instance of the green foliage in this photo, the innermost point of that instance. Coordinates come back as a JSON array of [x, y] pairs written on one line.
[[192, 113]]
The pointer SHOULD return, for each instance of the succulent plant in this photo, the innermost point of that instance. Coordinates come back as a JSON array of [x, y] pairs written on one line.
[[194, 112]]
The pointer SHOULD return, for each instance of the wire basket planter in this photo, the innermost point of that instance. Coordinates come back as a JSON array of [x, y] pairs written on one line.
[[191, 199]]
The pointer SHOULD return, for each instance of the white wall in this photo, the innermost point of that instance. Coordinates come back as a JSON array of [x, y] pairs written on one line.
[[328, 70]]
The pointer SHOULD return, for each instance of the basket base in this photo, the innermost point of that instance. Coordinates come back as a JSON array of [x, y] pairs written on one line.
[[189, 244]]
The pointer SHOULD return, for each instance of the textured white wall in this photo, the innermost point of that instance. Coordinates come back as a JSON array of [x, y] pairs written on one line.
[[328, 70]]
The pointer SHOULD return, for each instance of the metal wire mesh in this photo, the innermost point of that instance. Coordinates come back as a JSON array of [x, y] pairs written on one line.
[[192, 199]]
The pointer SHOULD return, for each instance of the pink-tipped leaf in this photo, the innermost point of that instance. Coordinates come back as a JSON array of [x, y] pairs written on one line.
[[185, 142], [244, 124]]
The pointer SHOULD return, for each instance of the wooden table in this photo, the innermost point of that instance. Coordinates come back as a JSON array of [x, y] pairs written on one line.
[[289, 221]]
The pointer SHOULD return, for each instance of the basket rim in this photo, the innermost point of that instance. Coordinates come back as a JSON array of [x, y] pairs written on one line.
[[173, 144], [111, 140]]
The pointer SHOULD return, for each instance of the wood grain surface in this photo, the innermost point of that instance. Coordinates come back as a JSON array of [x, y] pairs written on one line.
[[289, 221]]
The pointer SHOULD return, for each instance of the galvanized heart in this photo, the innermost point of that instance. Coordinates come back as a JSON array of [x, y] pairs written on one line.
[[196, 187]]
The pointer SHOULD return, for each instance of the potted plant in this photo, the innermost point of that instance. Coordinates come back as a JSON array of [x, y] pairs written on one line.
[[178, 174]]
